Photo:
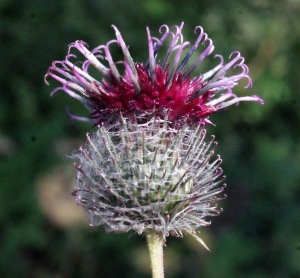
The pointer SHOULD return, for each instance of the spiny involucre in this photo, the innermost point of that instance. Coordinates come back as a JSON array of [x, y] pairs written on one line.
[[148, 166]]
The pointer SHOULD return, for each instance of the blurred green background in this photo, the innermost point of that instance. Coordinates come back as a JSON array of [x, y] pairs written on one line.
[[44, 234]]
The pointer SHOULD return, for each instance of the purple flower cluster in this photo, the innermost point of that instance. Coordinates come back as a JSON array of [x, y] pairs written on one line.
[[155, 86]]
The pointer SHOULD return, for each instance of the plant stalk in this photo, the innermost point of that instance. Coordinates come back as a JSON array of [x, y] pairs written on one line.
[[155, 243]]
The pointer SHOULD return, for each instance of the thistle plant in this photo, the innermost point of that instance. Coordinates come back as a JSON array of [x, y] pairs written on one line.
[[148, 167]]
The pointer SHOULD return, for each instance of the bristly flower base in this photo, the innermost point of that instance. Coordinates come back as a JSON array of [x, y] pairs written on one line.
[[148, 176]]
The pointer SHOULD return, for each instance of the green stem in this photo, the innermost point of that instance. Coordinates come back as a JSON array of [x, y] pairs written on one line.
[[155, 245]]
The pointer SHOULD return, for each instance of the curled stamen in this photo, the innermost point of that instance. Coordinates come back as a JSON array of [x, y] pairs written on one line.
[[81, 46], [238, 57], [210, 73], [223, 70], [222, 98], [151, 55], [133, 73], [110, 61], [171, 48], [174, 68], [98, 54], [205, 53], [237, 100], [133, 78], [192, 50], [159, 42], [76, 118], [70, 93]]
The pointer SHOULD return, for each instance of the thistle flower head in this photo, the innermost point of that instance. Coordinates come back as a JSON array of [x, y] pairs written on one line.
[[148, 167], [155, 86]]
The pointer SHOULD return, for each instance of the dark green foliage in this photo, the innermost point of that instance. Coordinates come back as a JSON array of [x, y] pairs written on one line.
[[257, 235]]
